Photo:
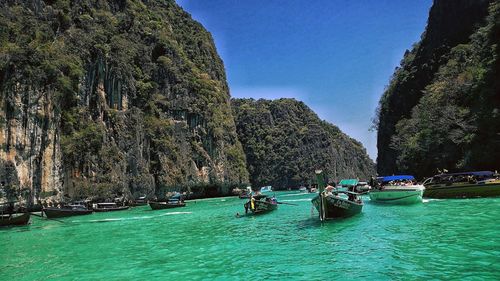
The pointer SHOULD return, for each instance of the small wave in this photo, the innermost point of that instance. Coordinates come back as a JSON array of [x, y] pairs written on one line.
[[174, 213]]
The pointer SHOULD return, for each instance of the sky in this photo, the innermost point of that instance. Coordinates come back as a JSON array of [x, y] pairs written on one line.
[[336, 56]]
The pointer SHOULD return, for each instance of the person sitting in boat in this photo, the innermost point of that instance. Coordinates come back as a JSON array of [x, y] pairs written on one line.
[[351, 197]]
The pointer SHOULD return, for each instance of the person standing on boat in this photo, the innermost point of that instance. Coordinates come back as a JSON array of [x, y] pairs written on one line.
[[328, 190]]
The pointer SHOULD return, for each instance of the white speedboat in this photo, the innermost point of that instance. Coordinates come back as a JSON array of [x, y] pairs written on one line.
[[401, 189], [266, 189]]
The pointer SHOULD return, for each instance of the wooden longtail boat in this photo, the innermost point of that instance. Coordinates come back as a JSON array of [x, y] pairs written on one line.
[[260, 204], [141, 201], [109, 207], [336, 204], [463, 185], [245, 194], [14, 219], [166, 205], [66, 211]]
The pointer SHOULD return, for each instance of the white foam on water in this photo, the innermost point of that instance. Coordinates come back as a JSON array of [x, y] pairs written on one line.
[[174, 213], [430, 200]]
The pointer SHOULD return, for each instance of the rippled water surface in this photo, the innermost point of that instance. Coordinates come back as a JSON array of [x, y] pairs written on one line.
[[438, 239]]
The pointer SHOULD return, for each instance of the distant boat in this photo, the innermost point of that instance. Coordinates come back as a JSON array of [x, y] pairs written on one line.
[[463, 185], [109, 207], [141, 201], [77, 209], [245, 193], [173, 202], [166, 205], [332, 203], [399, 189], [303, 189], [14, 219], [260, 204], [362, 186], [348, 184], [266, 189]]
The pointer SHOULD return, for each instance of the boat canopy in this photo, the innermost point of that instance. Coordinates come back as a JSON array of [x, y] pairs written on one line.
[[477, 173], [348, 182], [176, 196], [396, 178]]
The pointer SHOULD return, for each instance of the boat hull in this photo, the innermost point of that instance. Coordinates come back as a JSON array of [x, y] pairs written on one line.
[[53, 213], [463, 190], [101, 210], [260, 207], [395, 196], [15, 220], [165, 205], [335, 207]]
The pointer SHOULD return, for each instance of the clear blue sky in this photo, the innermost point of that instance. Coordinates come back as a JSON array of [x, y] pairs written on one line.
[[335, 55]]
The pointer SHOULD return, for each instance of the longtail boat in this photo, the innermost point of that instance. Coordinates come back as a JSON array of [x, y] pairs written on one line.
[[14, 219], [67, 211], [166, 205], [463, 185], [260, 204], [109, 207], [245, 193], [334, 203], [174, 201], [348, 184], [266, 189], [141, 201], [399, 189]]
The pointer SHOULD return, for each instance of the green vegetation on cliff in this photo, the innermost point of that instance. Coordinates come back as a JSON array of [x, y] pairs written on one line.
[[285, 142], [442, 107], [122, 95]]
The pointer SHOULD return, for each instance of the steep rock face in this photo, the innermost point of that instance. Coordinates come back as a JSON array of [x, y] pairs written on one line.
[[112, 98], [440, 105], [285, 142]]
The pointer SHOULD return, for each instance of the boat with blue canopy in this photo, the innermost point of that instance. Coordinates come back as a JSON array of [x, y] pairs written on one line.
[[397, 189], [463, 185]]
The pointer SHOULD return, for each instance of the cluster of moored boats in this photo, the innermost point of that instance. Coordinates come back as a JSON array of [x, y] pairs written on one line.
[[10, 218], [344, 200], [403, 189], [337, 201]]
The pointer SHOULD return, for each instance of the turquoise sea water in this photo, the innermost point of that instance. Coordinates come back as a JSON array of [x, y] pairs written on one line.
[[438, 239]]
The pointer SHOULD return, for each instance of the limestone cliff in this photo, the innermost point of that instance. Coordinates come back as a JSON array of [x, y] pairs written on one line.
[[285, 142], [440, 110], [112, 98]]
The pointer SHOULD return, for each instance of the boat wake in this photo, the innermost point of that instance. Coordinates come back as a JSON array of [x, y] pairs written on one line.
[[132, 218]]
